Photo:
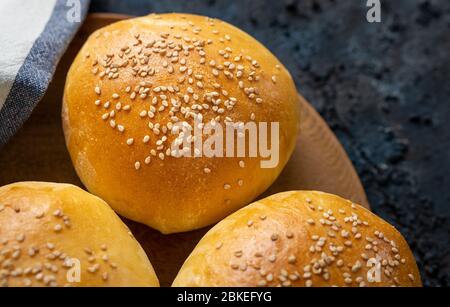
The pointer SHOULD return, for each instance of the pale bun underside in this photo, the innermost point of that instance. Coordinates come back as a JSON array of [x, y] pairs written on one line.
[[301, 239], [225, 72], [44, 225]]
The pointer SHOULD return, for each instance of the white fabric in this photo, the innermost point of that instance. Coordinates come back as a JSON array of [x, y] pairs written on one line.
[[21, 22]]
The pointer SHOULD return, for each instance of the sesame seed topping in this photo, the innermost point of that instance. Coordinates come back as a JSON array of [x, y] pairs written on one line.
[[272, 258], [292, 259], [137, 165], [262, 283]]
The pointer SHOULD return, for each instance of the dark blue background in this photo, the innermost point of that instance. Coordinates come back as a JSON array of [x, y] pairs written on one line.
[[383, 88]]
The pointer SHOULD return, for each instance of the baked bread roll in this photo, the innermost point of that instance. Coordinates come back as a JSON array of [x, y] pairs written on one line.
[[301, 238], [59, 235], [131, 86]]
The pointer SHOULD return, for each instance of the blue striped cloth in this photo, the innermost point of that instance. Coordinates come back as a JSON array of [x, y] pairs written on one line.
[[34, 35]]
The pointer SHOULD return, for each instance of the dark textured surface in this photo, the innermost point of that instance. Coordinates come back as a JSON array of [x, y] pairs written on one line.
[[383, 88]]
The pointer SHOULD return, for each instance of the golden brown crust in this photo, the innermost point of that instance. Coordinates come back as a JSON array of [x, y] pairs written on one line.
[[300, 238], [44, 225], [156, 47]]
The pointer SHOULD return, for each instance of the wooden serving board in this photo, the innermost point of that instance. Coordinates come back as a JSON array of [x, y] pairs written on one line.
[[38, 153]]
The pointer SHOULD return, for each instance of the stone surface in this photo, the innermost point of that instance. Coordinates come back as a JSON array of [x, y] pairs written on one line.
[[383, 88]]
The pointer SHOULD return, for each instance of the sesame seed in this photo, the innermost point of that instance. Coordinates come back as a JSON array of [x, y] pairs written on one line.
[[97, 90], [241, 164], [292, 259], [226, 186], [20, 237], [262, 283], [137, 165], [356, 266], [272, 258], [94, 268], [57, 228], [274, 237], [130, 141], [258, 254], [249, 223]]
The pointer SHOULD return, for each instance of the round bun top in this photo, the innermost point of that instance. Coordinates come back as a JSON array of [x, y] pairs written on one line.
[[137, 83], [59, 235], [301, 239]]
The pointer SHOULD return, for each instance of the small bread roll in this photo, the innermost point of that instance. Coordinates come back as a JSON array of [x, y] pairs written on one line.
[[135, 80], [301, 239], [51, 234]]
